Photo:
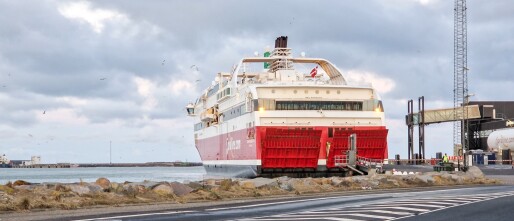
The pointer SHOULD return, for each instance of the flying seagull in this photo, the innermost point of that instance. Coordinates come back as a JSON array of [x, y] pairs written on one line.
[[194, 66], [102, 79], [163, 62], [44, 112]]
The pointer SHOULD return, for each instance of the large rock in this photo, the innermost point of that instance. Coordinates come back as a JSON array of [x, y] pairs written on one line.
[[115, 187], [79, 189], [163, 189], [20, 182], [426, 179], [180, 189], [247, 185], [195, 185], [84, 188], [103, 182], [475, 172], [146, 184], [259, 182]]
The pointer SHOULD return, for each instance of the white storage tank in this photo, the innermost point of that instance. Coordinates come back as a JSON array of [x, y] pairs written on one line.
[[503, 139]]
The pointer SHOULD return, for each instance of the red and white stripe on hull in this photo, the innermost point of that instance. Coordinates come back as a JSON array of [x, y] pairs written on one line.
[[290, 147]]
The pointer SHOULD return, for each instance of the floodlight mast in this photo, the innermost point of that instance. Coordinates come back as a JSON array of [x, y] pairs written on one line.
[[460, 75]]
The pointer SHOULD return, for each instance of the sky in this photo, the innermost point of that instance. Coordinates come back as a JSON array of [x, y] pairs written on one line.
[[78, 78]]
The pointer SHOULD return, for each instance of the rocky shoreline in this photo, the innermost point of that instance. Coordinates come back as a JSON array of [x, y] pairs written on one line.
[[23, 196]]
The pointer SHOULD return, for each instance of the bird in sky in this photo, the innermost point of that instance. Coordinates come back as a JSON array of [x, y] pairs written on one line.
[[30, 135], [102, 79], [198, 80], [163, 62], [44, 112], [194, 67]]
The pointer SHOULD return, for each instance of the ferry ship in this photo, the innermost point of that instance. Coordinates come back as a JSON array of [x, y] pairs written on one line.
[[277, 114]]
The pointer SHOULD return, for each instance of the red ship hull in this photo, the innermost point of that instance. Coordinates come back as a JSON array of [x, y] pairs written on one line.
[[293, 151]]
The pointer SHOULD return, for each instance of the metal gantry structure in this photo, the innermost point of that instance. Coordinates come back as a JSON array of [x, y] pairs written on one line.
[[460, 73]]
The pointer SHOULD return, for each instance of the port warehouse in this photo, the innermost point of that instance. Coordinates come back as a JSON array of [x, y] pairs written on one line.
[[490, 116], [495, 115]]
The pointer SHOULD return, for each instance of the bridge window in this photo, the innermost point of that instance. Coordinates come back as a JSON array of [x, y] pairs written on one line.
[[319, 105]]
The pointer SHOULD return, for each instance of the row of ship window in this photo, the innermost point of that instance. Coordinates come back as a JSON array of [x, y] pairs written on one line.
[[315, 105]]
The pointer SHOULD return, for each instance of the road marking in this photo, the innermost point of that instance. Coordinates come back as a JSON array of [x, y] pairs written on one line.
[[453, 206], [370, 216], [324, 198], [425, 202], [393, 207], [408, 204], [304, 218], [135, 215], [275, 203], [459, 201], [360, 211]]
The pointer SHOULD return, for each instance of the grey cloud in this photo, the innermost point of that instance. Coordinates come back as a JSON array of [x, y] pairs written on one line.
[[50, 56]]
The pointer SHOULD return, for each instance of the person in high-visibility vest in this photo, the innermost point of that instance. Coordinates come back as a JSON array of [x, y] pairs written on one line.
[[445, 158]]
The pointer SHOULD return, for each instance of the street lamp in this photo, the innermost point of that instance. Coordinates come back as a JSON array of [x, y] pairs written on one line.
[[465, 128]]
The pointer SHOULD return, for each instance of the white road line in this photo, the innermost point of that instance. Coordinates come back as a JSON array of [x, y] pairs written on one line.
[[305, 218], [341, 219], [275, 203], [358, 211], [420, 201], [451, 207], [370, 216], [393, 207], [293, 201], [135, 215], [407, 204], [460, 201]]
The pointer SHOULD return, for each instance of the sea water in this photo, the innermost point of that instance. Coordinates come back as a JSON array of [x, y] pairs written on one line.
[[90, 174]]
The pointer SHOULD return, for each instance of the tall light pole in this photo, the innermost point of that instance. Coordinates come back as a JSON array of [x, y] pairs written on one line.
[[460, 70], [110, 152], [465, 127]]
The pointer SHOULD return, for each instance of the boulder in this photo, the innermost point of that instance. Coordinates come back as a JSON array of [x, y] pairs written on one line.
[[194, 185], [426, 179], [287, 186], [103, 182], [20, 182], [83, 189], [336, 181], [146, 184], [79, 189], [115, 187], [475, 172], [259, 182], [282, 179], [180, 189], [163, 189], [95, 188], [247, 184]]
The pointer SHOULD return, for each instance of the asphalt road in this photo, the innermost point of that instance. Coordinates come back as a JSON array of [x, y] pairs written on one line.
[[460, 203]]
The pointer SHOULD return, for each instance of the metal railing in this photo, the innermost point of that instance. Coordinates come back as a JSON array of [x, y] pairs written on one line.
[[341, 160]]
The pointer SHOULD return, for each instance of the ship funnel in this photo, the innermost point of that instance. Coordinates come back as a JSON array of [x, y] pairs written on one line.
[[281, 42]]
